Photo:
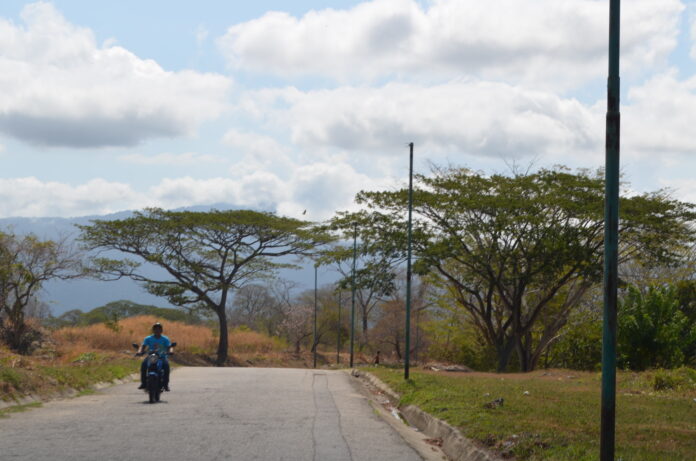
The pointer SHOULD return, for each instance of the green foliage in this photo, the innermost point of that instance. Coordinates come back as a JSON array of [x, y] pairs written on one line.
[[579, 346], [518, 252], [652, 330], [85, 357], [681, 379]]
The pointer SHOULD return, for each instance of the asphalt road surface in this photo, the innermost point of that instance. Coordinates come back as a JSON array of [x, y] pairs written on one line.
[[211, 414]]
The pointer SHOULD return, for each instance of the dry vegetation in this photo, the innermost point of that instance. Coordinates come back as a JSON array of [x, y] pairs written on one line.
[[120, 336], [196, 344]]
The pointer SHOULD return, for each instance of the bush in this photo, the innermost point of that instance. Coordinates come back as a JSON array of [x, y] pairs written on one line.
[[679, 379], [652, 330], [579, 347]]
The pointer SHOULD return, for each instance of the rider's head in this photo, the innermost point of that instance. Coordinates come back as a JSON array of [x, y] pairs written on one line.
[[157, 329]]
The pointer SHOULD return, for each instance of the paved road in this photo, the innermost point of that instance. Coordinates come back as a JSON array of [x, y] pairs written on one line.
[[211, 413]]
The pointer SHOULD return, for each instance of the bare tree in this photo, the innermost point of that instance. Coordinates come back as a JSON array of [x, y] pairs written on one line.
[[26, 263]]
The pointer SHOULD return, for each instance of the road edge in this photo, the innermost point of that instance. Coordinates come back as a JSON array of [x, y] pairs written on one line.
[[65, 393], [454, 445]]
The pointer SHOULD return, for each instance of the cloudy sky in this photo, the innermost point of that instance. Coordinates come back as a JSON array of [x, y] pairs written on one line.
[[106, 106]]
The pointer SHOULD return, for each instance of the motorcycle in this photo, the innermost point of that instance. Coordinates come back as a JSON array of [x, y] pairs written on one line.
[[154, 377]]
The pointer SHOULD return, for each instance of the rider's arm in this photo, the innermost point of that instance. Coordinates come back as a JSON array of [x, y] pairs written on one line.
[[143, 346]]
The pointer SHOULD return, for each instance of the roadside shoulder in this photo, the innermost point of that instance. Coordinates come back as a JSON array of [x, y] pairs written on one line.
[[452, 443]]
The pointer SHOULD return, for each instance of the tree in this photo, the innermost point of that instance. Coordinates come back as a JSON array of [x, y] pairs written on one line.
[[653, 331], [26, 263], [379, 252], [519, 252], [252, 304], [390, 327], [205, 255], [297, 324]]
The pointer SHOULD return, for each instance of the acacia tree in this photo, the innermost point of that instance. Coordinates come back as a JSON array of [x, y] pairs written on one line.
[[205, 255], [520, 251], [26, 263], [380, 250]]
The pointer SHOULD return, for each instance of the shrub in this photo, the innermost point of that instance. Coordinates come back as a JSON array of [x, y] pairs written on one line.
[[679, 379], [652, 330]]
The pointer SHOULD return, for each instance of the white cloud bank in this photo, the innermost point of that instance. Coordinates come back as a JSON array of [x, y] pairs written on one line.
[[543, 42], [59, 88], [465, 116], [319, 188]]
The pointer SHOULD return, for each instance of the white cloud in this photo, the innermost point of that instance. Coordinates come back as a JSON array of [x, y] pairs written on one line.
[[462, 116], [659, 117], [258, 153], [684, 189], [253, 144], [550, 42], [320, 188], [165, 158], [58, 88], [31, 197]]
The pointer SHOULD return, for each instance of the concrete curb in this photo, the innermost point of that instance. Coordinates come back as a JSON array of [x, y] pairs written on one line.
[[454, 444], [65, 394]]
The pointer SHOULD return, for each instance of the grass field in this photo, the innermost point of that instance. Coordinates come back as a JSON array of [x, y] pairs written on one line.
[[554, 414], [43, 376]]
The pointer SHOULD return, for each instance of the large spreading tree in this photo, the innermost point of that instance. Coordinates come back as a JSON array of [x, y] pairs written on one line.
[[205, 255], [519, 252]]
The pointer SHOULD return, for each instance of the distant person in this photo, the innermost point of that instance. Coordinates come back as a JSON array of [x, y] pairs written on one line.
[[159, 343]]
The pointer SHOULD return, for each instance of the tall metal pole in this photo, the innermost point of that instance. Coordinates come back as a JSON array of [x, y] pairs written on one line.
[[314, 339], [338, 330], [407, 354], [611, 240], [352, 283]]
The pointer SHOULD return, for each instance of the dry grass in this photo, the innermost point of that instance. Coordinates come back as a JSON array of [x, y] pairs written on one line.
[[133, 330], [245, 341], [194, 339]]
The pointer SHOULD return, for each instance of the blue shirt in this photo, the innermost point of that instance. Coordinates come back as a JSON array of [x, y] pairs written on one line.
[[160, 344]]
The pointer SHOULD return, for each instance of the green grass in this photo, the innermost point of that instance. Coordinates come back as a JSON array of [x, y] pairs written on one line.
[[5, 412], [45, 380], [559, 418]]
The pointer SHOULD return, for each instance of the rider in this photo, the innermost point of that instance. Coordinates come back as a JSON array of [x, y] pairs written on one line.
[[156, 341]]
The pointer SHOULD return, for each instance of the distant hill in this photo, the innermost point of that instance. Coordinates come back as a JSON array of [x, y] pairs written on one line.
[[83, 294], [117, 310]]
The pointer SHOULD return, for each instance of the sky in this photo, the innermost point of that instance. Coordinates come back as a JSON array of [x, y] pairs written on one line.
[[294, 106]]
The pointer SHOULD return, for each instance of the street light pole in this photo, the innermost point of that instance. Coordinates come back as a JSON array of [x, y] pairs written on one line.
[[611, 240], [314, 339], [407, 354], [338, 330], [352, 283]]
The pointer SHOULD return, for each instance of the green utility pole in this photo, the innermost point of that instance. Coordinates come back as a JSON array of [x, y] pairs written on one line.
[[611, 241], [314, 339], [352, 285], [338, 330], [407, 354]]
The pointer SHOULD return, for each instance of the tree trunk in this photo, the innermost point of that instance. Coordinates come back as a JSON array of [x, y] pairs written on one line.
[[504, 353], [224, 341], [524, 353]]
